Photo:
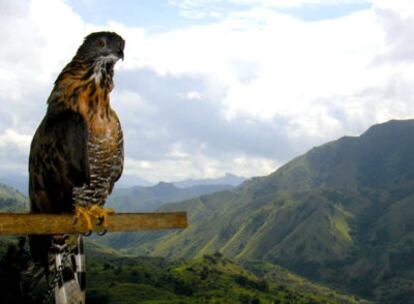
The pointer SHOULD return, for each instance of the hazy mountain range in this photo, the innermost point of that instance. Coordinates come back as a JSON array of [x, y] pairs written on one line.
[[12, 200], [228, 179], [140, 198], [341, 213], [20, 182], [17, 182]]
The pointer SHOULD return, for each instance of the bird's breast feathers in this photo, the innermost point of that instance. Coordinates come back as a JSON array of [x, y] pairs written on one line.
[[86, 90]]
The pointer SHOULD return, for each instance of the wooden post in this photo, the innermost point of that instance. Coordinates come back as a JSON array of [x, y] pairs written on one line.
[[26, 224]]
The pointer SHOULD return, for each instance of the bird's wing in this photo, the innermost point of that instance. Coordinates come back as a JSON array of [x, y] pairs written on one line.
[[119, 153], [58, 161]]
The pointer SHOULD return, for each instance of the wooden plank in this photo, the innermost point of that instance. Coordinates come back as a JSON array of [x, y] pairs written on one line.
[[25, 224]]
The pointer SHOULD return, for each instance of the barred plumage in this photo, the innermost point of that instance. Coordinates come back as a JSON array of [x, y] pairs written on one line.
[[77, 151], [105, 166]]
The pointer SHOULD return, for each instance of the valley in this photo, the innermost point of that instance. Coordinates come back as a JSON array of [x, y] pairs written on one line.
[[339, 215]]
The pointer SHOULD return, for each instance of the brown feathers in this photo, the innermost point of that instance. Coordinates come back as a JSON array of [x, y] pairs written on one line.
[[77, 152], [80, 131]]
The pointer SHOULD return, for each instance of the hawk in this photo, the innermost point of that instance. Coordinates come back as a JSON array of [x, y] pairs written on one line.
[[76, 156]]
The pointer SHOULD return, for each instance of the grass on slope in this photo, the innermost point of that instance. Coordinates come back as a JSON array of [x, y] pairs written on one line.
[[11, 200], [210, 279], [279, 275]]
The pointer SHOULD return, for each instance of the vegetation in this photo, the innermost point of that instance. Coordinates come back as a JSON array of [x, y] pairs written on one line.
[[209, 279], [340, 214], [112, 278], [11, 200]]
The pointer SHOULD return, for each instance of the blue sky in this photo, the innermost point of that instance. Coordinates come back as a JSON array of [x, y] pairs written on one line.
[[317, 12], [163, 15], [157, 15], [210, 86]]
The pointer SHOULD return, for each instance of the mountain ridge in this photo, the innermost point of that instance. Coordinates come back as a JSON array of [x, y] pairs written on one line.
[[228, 179], [149, 198], [11, 200], [324, 215]]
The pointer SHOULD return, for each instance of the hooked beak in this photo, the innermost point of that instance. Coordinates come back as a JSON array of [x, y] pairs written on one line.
[[121, 54]]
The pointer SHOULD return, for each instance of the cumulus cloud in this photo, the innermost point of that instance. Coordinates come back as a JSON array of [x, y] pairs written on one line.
[[397, 20], [13, 152], [284, 83], [165, 127], [38, 38], [289, 77], [242, 93]]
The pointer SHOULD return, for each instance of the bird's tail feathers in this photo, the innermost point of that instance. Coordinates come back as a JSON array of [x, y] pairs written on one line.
[[70, 263]]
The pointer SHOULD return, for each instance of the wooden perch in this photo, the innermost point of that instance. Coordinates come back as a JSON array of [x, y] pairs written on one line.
[[25, 224]]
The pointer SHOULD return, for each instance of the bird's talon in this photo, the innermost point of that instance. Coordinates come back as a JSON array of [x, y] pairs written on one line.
[[102, 233], [87, 233], [93, 212], [85, 213], [100, 220]]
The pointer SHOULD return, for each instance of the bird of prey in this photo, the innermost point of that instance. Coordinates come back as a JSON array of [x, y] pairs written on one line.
[[76, 156]]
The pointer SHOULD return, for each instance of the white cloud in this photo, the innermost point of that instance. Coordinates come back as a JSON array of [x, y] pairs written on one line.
[[271, 65], [11, 138], [40, 36], [183, 166], [313, 75], [404, 8], [193, 95], [13, 152]]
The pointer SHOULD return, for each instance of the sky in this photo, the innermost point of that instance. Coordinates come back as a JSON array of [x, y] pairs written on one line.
[[214, 86]]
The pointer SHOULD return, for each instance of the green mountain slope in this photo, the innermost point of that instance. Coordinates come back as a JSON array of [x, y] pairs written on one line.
[[140, 198], [11, 200], [209, 279], [341, 213]]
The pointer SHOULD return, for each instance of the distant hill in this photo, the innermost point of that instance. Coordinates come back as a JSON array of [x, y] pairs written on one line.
[[127, 181], [12, 200], [18, 182], [228, 179], [341, 214], [150, 198]]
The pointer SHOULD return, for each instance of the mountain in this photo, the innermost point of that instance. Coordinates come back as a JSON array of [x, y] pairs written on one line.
[[127, 181], [12, 200], [18, 182], [150, 198], [228, 179], [341, 214]]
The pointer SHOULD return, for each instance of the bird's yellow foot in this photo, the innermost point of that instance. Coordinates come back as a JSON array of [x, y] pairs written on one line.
[[84, 212], [95, 211], [101, 214]]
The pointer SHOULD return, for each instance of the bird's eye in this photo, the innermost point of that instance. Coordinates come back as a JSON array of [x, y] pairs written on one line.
[[100, 42]]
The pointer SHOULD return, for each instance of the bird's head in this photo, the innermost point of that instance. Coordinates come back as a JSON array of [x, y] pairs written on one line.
[[102, 46]]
